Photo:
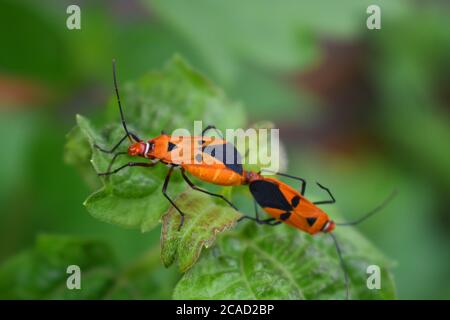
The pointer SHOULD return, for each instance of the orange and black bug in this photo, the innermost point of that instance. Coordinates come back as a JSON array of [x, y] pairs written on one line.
[[210, 159], [288, 205]]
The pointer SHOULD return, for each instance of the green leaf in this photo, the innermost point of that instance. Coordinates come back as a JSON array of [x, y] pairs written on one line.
[[77, 152], [40, 272], [160, 100], [204, 219], [261, 262]]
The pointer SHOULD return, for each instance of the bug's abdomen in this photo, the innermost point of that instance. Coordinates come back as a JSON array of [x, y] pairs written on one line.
[[287, 205], [221, 176]]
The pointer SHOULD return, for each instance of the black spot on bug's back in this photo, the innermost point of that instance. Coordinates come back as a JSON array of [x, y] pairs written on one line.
[[311, 221], [171, 146], [268, 195], [227, 154], [285, 216], [295, 200]]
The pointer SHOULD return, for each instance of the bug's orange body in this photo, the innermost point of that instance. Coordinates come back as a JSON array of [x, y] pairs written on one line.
[[203, 157], [216, 174], [288, 205]]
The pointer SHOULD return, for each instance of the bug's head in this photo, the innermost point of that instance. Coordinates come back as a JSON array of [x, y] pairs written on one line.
[[140, 149], [136, 149], [328, 226]]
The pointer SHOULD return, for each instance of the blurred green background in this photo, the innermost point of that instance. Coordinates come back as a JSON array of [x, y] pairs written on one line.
[[362, 111]]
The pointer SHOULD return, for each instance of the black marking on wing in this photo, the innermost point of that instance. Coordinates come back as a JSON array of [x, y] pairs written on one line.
[[285, 216], [268, 195], [295, 200], [311, 221], [227, 154], [171, 146]]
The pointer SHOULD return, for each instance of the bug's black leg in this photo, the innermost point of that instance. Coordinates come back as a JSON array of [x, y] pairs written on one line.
[[303, 186], [129, 164], [269, 221], [255, 206], [210, 127], [193, 186], [164, 189], [114, 159], [113, 148], [332, 200], [246, 154]]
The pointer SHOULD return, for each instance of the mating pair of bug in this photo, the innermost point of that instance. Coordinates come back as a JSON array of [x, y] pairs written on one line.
[[282, 202]]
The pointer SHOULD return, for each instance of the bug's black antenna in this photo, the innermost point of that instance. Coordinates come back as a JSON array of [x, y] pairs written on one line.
[[372, 212], [130, 136], [343, 266]]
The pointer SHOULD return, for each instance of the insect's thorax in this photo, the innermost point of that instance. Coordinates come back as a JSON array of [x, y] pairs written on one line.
[[203, 157], [177, 150]]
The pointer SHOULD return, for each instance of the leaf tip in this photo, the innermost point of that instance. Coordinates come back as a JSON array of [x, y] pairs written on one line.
[[79, 118]]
